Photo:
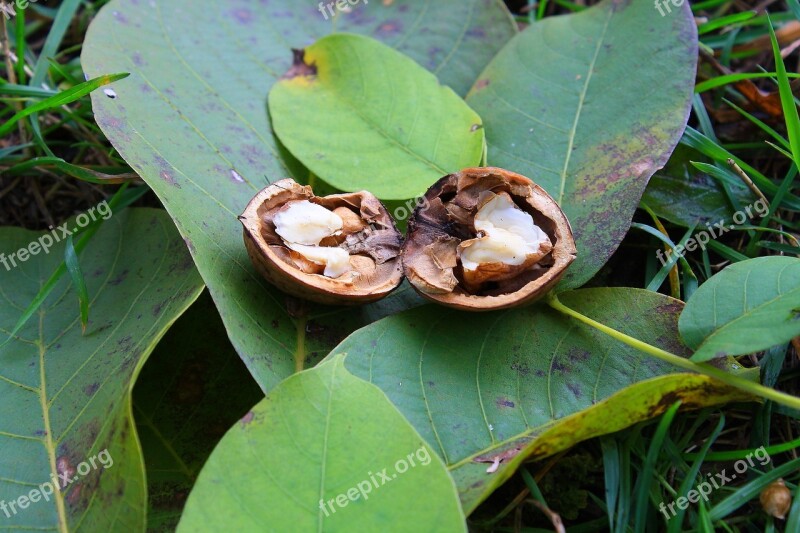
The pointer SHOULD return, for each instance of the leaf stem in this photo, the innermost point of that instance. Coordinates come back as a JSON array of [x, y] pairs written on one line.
[[727, 378], [300, 351]]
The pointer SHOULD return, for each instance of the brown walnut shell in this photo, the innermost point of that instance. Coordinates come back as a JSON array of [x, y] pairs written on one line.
[[369, 235], [445, 220]]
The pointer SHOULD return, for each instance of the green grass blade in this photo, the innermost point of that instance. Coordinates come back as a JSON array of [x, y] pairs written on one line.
[[794, 7], [750, 490], [793, 522], [708, 4], [20, 51], [66, 12], [787, 99], [64, 97], [779, 247], [727, 252], [662, 274], [727, 79], [624, 502], [647, 475], [74, 268], [706, 146], [722, 174], [13, 89], [540, 9], [717, 23], [121, 199], [534, 488], [674, 524], [783, 152], [703, 120], [5, 152], [611, 471], [85, 174], [767, 129]]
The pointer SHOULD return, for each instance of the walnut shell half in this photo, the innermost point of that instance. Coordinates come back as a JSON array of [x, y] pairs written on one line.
[[367, 233], [505, 269]]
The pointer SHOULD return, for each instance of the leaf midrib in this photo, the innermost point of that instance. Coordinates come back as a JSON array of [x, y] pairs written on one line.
[[579, 110], [379, 129], [48, 440]]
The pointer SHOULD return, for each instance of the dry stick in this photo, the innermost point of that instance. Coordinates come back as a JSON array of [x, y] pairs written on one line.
[[753, 187], [746, 179], [732, 380], [12, 76], [789, 49]]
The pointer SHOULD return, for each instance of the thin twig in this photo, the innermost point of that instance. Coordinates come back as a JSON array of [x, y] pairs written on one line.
[[12, 75], [746, 179]]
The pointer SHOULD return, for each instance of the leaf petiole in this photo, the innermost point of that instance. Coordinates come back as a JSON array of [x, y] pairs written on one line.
[[729, 379]]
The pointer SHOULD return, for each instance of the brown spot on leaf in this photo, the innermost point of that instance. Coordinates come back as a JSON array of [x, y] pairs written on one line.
[[299, 66], [390, 27], [575, 389], [504, 402], [138, 60], [521, 368], [242, 16], [166, 176], [65, 470]]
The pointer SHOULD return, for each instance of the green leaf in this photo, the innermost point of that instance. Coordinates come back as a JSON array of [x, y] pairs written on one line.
[[589, 106], [191, 120], [66, 396], [404, 130], [747, 307], [192, 389], [528, 382], [686, 196], [325, 451]]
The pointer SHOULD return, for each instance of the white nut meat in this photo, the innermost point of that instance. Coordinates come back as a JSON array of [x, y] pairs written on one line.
[[499, 246], [335, 260], [302, 225], [502, 213], [303, 222], [508, 242]]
